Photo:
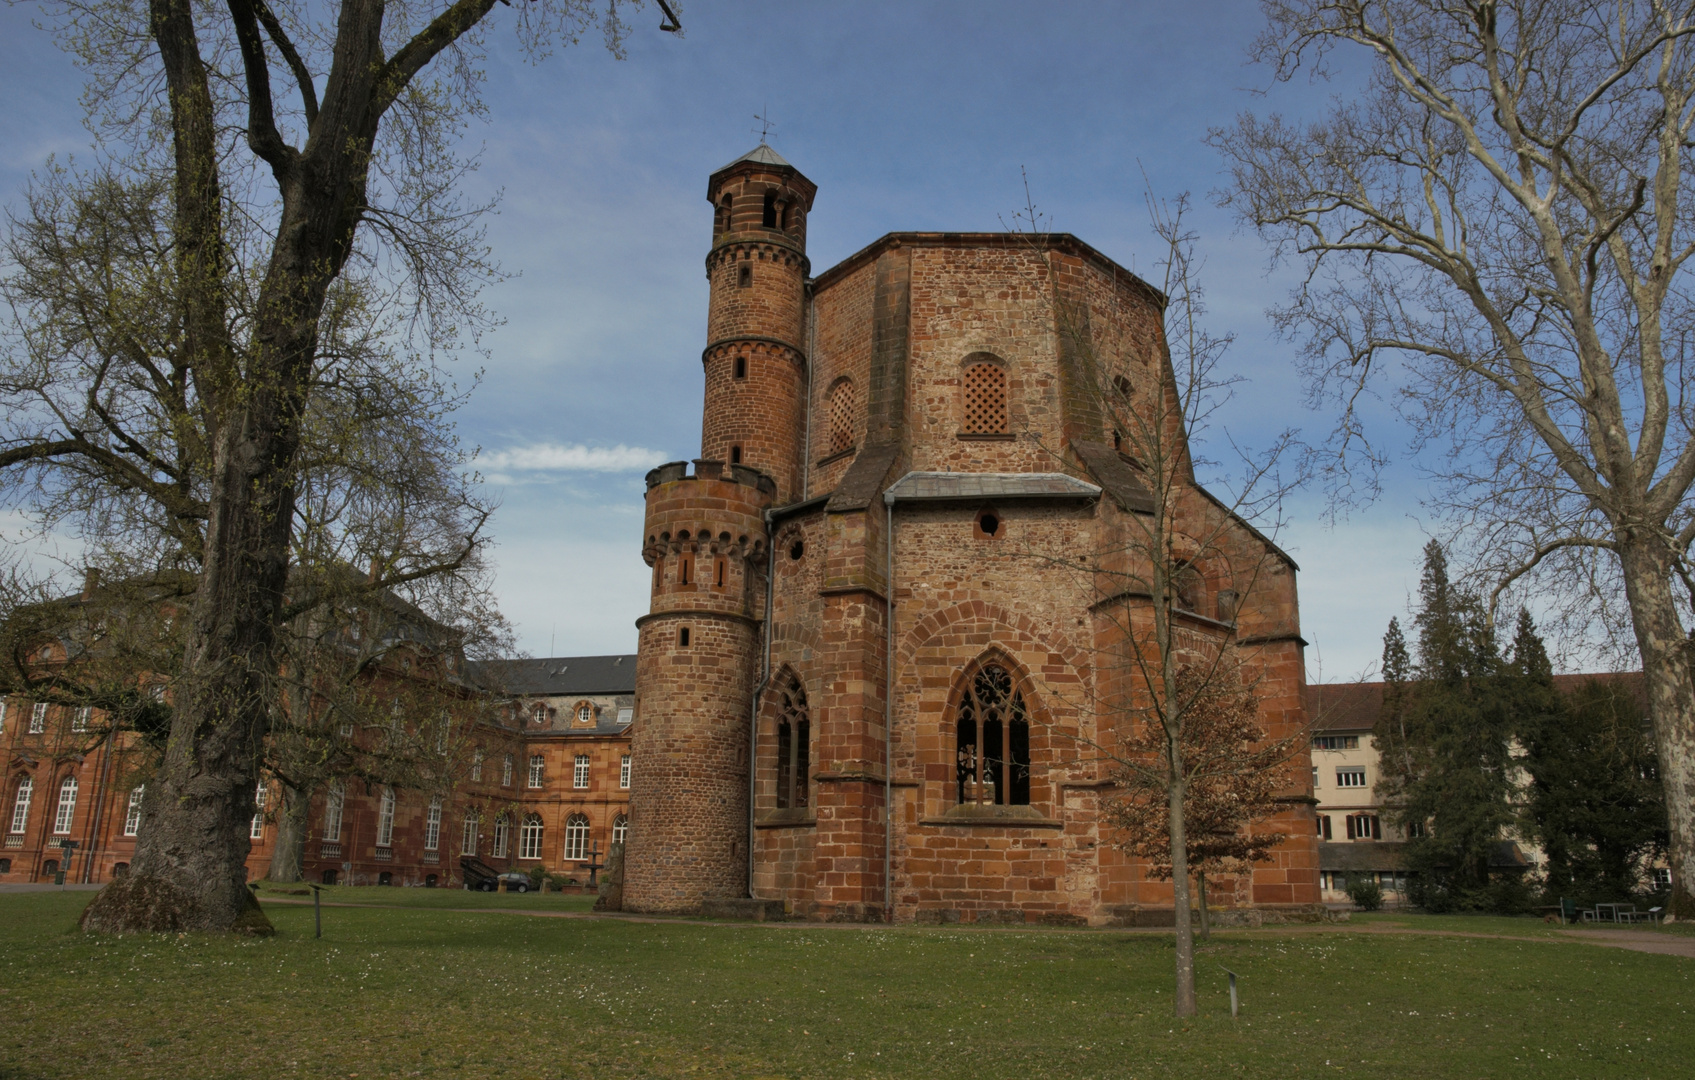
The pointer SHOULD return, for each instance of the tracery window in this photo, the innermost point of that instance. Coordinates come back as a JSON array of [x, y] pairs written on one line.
[[844, 402], [985, 399], [620, 828], [794, 748], [576, 838], [992, 761], [529, 837], [67, 806], [20, 805]]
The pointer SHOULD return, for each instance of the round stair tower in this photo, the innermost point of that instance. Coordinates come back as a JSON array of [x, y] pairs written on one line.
[[705, 538]]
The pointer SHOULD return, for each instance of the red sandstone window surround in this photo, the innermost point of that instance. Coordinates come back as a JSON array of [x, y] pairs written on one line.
[[794, 748], [992, 759], [576, 838], [985, 399]]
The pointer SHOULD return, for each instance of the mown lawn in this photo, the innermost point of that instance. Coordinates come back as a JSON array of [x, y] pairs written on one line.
[[420, 992], [373, 896]]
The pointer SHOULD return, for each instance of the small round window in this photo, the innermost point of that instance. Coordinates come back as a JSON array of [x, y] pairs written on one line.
[[797, 549]]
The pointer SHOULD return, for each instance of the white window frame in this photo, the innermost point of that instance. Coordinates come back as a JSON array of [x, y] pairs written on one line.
[[432, 825], [1345, 778], [538, 770], [580, 773], [506, 772], [132, 816], [65, 816], [38, 718], [385, 818], [20, 804], [80, 718], [625, 715], [530, 837], [620, 828], [335, 800], [477, 766], [468, 835], [256, 829], [4, 704], [585, 713], [624, 773], [577, 838], [502, 836]]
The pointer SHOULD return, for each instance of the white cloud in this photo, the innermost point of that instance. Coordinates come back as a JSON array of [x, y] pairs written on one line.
[[550, 457]]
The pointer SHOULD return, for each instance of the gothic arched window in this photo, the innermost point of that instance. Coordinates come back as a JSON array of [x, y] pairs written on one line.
[[992, 763], [985, 399], [794, 748]]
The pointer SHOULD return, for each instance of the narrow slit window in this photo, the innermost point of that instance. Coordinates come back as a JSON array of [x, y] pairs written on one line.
[[744, 276], [768, 216], [723, 567], [741, 367], [794, 742], [735, 455], [683, 637]]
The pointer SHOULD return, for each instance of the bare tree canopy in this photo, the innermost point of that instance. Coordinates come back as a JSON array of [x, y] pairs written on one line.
[[300, 166], [1496, 227]]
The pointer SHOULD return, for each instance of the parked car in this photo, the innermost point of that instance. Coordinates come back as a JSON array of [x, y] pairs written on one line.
[[517, 882]]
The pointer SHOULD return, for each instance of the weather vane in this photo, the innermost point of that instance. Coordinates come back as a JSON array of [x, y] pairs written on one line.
[[766, 127]]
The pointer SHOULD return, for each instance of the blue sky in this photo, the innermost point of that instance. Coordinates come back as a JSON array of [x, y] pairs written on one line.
[[908, 116]]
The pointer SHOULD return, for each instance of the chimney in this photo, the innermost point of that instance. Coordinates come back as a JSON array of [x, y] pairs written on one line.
[[90, 582], [376, 569]]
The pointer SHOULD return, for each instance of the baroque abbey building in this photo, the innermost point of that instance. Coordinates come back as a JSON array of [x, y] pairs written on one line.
[[871, 676]]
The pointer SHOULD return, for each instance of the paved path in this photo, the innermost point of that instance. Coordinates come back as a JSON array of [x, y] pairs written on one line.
[[1647, 941]]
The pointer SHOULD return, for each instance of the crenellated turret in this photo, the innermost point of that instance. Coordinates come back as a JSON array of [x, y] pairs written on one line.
[[705, 539]]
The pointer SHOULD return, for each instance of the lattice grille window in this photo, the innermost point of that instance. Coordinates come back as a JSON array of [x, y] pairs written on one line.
[[844, 402], [985, 399]]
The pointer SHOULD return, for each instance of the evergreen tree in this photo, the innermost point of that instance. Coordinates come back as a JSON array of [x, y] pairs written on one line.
[[1447, 775], [1595, 799]]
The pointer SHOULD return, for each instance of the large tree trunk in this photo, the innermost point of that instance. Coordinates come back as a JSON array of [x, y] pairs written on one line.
[[1665, 650], [288, 855]]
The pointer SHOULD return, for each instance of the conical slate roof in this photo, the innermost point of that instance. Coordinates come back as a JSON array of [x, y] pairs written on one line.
[[760, 155]]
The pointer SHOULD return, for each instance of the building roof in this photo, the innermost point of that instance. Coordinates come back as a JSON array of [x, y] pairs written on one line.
[[965, 485], [557, 675], [1354, 706], [759, 155]]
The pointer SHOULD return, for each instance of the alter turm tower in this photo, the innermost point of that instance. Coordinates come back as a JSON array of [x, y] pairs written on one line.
[[705, 538], [871, 669]]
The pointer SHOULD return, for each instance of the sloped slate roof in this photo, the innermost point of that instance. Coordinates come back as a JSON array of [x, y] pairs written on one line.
[[1363, 855], [760, 155], [1354, 706], [952, 485], [559, 675], [1116, 475]]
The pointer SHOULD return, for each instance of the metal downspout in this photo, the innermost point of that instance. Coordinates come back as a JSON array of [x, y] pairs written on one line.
[[889, 709], [753, 709], [806, 439]]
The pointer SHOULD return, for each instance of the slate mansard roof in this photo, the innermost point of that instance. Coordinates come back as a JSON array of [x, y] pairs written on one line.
[[556, 676]]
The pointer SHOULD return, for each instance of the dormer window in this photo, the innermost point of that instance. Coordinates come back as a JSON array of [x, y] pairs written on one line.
[[585, 713]]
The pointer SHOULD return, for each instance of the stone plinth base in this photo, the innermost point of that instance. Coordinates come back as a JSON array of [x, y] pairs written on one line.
[[743, 908]]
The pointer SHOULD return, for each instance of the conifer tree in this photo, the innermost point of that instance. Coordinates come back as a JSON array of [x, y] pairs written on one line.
[[1448, 779]]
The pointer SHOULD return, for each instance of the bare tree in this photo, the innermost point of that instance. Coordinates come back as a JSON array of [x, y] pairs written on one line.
[[1188, 593], [1496, 224], [272, 207], [1235, 779]]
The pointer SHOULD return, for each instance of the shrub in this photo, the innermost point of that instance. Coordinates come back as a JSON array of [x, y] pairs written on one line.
[[1366, 894]]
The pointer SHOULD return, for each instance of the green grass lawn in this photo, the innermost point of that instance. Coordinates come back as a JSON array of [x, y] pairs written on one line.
[[1520, 926], [420, 992], [373, 896]]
